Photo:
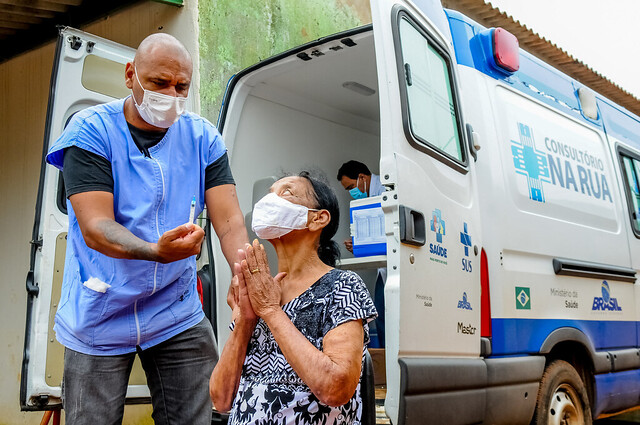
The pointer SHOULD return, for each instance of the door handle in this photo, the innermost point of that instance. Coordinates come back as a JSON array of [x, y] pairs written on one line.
[[413, 230], [407, 74], [474, 146]]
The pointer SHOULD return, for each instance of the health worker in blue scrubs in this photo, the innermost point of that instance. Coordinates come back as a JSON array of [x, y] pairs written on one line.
[[360, 182], [135, 171]]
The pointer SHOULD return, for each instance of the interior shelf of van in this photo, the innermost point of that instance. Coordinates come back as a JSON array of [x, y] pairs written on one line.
[[361, 263]]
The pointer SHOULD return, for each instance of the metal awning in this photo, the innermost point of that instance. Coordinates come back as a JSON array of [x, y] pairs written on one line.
[[27, 24], [487, 15]]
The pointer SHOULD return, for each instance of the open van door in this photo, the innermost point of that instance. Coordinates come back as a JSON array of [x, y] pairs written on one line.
[[87, 70], [432, 293]]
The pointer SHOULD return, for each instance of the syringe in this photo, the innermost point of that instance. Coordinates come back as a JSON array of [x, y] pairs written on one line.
[[192, 211]]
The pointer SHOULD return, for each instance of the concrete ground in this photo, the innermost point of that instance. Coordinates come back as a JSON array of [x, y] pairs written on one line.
[[622, 419]]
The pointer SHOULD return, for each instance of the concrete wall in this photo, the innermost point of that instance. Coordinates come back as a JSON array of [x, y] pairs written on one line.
[[24, 84], [235, 34]]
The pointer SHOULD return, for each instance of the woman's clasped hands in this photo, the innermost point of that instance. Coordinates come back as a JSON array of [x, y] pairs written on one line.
[[256, 293]]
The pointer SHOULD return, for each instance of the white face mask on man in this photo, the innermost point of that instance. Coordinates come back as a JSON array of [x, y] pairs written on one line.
[[157, 109], [274, 217]]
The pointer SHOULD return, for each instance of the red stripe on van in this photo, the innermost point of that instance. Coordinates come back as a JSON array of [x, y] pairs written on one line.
[[485, 304]]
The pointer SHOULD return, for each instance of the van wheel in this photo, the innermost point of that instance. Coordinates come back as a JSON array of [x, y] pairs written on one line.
[[562, 398]]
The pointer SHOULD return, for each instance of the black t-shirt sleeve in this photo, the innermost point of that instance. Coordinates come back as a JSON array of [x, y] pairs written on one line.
[[218, 173], [85, 171]]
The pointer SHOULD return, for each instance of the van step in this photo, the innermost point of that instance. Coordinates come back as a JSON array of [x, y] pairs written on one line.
[[381, 416], [379, 366]]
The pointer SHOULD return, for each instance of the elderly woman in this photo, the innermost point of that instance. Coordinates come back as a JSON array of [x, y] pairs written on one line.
[[296, 350]]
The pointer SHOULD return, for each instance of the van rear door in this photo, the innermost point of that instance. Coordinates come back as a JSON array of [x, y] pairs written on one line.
[[87, 70], [432, 291]]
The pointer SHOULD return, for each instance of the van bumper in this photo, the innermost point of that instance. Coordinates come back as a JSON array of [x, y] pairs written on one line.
[[463, 391]]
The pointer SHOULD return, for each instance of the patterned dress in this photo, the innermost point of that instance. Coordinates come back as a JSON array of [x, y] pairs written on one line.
[[270, 392]]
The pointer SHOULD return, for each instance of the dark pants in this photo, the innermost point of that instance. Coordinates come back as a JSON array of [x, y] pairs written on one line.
[[178, 372]]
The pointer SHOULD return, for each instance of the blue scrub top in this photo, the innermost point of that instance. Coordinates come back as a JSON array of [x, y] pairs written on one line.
[[143, 303]]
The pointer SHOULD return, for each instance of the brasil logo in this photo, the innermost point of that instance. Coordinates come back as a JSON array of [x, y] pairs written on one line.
[[464, 303], [605, 302]]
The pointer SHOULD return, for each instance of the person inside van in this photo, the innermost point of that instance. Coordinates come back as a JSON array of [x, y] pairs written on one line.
[[136, 171], [298, 339], [356, 178]]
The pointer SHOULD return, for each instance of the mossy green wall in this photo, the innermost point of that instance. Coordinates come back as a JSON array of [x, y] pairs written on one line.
[[235, 34]]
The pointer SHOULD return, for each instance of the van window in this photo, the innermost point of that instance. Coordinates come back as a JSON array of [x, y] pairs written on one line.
[[431, 108], [632, 177], [104, 76]]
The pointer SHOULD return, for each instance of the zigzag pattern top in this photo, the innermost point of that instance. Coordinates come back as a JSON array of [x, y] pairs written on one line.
[[270, 391]]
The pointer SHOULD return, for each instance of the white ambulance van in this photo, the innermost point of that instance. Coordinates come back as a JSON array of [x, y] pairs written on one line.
[[511, 211]]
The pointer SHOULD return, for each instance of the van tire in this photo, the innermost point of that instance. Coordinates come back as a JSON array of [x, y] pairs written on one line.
[[562, 397]]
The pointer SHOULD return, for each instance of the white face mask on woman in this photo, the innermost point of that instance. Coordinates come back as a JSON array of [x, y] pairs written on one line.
[[274, 217], [157, 109]]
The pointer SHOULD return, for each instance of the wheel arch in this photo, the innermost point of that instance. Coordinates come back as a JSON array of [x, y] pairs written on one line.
[[574, 347]]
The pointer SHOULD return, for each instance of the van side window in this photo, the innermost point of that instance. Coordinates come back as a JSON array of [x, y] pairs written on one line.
[[431, 106], [104, 76], [632, 178]]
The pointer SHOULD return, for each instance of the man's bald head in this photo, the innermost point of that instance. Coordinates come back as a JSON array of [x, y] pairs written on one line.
[[162, 64], [165, 45]]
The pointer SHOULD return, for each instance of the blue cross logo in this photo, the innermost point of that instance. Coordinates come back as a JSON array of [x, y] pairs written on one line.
[[437, 224], [530, 162], [465, 239]]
